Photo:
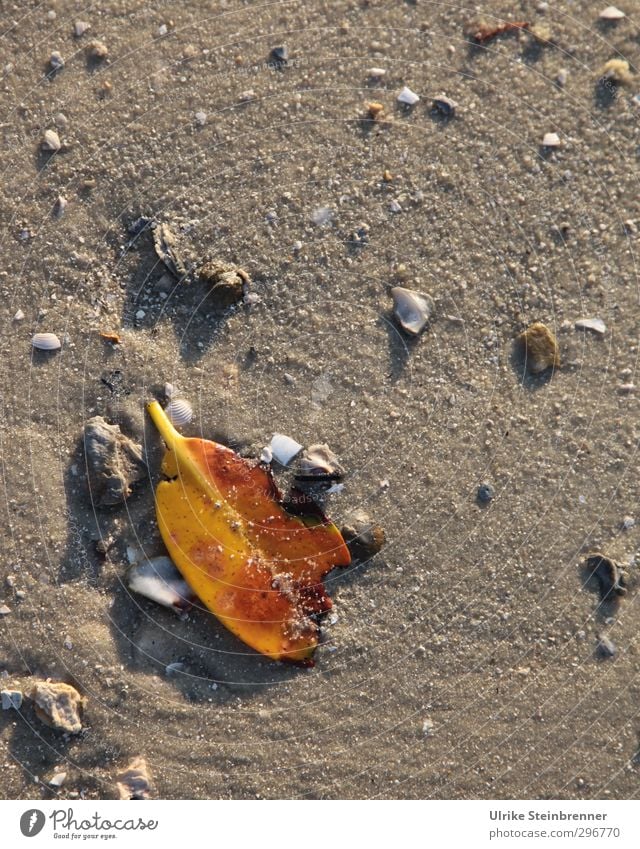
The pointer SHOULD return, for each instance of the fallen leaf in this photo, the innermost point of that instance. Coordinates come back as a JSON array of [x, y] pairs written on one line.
[[258, 568]]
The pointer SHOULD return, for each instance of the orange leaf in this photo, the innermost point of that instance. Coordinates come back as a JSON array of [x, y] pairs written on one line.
[[254, 565]]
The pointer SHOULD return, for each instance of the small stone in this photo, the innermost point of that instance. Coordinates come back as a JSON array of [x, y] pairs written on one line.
[[163, 29], [4, 610], [280, 54], [627, 523], [80, 27], [97, 51], [596, 325], [227, 283], [59, 706], [51, 141], [394, 206], [58, 779], [540, 348], [375, 110], [11, 699], [376, 73], [486, 493], [56, 61], [561, 77], [201, 118], [606, 648], [617, 71], [247, 96], [445, 105], [428, 728], [68, 644], [19, 316], [408, 97], [363, 536], [135, 782], [626, 388], [59, 207], [611, 13], [551, 140]]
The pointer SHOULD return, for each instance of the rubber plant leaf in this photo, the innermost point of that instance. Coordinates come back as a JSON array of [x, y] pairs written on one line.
[[258, 568]]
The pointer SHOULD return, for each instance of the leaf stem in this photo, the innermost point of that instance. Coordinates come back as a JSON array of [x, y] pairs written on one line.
[[165, 428]]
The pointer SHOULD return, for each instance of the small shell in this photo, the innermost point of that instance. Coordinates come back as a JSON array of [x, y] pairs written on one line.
[[80, 27], [180, 411], [611, 13], [540, 348], [376, 73], [159, 580], [551, 140], [319, 461], [445, 105], [363, 536], [284, 449], [597, 325], [46, 342], [408, 97], [411, 309], [51, 141]]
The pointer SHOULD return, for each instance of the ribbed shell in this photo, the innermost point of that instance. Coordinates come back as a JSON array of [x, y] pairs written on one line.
[[411, 309], [46, 342], [180, 411]]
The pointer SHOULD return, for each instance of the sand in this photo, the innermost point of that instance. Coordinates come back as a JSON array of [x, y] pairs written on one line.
[[462, 661]]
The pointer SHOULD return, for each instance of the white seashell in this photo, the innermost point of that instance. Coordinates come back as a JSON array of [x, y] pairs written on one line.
[[59, 206], [412, 309], [57, 780], [284, 449], [376, 73], [321, 461], [19, 316], [51, 141], [612, 13], [159, 580], [179, 411], [410, 98], [551, 140], [80, 27], [46, 342], [266, 455], [169, 391], [596, 324]]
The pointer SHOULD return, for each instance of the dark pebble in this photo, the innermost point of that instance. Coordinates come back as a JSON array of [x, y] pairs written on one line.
[[485, 493], [606, 648]]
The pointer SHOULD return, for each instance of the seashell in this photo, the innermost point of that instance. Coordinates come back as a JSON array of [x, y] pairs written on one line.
[[59, 206], [408, 97], [411, 309], [51, 141], [376, 73], [169, 391], [551, 140], [284, 449], [319, 461], [46, 342], [266, 455], [540, 348], [597, 325], [611, 13], [363, 536], [57, 780], [179, 411], [445, 105], [80, 27], [159, 580]]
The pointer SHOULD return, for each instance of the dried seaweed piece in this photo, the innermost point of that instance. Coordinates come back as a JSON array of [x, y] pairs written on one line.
[[166, 247], [114, 462]]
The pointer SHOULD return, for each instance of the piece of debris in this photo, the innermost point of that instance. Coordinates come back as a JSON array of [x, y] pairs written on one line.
[[364, 537], [51, 141], [540, 348], [284, 448], [551, 140], [412, 310], [627, 523], [97, 51], [166, 248], [135, 782], [228, 284], [376, 73], [606, 648], [611, 13], [428, 727], [114, 462], [200, 118], [597, 325], [11, 699], [445, 106], [485, 493], [482, 33], [318, 462], [159, 580], [18, 316], [59, 706], [408, 97], [616, 71], [56, 61], [280, 54], [46, 342], [57, 780], [4, 610], [322, 215], [608, 574], [375, 110], [80, 27]]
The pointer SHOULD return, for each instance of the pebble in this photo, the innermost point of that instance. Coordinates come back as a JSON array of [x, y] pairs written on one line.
[[59, 206], [140, 315], [612, 13], [394, 206], [428, 728], [280, 54], [59, 706], [19, 316], [408, 97], [561, 77], [540, 348], [627, 523], [58, 779], [412, 310], [322, 215], [135, 782], [597, 325], [4, 610], [51, 141], [97, 51], [201, 118], [11, 699], [551, 140], [376, 73], [486, 493], [363, 536], [80, 27], [56, 61], [445, 105], [606, 648]]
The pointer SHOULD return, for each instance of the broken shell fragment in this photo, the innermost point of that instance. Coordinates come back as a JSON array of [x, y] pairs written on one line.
[[445, 105], [166, 247], [46, 342], [51, 141], [135, 782], [59, 706], [56, 61], [363, 537], [597, 325], [228, 283], [551, 140], [319, 461], [284, 449], [179, 411], [617, 71], [97, 51], [611, 13], [408, 97], [540, 348], [159, 580], [114, 462], [412, 310]]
